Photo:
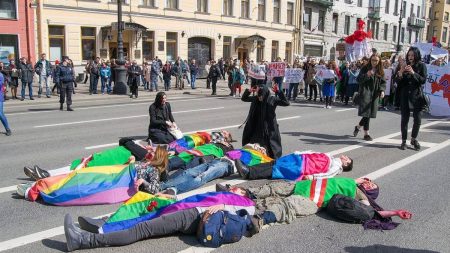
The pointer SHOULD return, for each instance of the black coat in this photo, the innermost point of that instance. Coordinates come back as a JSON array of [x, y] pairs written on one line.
[[64, 74], [26, 72], [369, 91], [261, 124], [134, 72], [410, 86], [159, 115]]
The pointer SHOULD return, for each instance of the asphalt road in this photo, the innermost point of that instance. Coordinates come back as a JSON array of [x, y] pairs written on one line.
[[412, 180]]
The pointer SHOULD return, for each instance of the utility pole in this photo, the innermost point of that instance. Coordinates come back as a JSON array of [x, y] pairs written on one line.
[[399, 28], [120, 86]]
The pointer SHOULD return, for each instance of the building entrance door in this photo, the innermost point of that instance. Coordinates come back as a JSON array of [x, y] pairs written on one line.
[[242, 54], [199, 48], [113, 50]]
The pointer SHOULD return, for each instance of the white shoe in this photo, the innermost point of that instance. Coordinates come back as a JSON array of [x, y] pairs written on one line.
[[329, 107], [23, 188], [326, 107]]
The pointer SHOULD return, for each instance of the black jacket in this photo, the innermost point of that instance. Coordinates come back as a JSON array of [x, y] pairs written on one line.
[[159, 115], [64, 74], [410, 86], [26, 72], [134, 71], [262, 126], [214, 72], [39, 66]]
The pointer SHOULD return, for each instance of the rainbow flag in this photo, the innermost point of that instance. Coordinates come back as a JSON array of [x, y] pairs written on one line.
[[297, 165], [249, 157], [138, 213], [134, 211], [87, 186], [190, 141]]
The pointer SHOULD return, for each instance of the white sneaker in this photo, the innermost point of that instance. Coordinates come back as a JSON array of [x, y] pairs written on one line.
[[326, 107], [23, 188], [329, 107]]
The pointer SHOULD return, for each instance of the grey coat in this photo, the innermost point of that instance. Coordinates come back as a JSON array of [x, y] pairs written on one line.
[[369, 91], [26, 72]]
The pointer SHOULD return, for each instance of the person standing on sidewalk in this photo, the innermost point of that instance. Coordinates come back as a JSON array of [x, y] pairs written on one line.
[[167, 75], [2, 99], [94, 71], [65, 77], [208, 80], [213, 75], [155, 71], [26, 76], [193, 68], [14, 78], [43, 69], [105, 73], [146, 72], [134, 73]]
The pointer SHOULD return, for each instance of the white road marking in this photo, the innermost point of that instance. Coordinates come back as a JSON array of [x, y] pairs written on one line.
[[191, 132], [397, 142], [395, 166], [438, 131], [343, 110], [106, 106], [119, 118], [8, 189]]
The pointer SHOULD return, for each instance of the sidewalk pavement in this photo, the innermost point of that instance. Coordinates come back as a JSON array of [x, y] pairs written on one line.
[[82, 93]]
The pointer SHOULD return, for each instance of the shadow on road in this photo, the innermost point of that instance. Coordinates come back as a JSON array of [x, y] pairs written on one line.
[[53, 244], [377, 248]]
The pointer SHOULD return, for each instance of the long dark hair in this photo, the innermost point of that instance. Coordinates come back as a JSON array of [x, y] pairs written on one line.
[[159, 98], [417, 55], [379, 68]]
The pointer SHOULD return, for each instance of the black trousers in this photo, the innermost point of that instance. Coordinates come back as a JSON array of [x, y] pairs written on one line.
[[417, 115], [365, 123], [260, 171], [134, 88], [66, 90], [313, 89], [214, 83], [159, 136], [185, 221]]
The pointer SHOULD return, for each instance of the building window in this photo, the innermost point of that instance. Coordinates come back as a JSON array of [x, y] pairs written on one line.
[[245, 8], [386, 8], [386, 30], [396, 7], [347, 25], [404, 9], [276, 11], [411, 11], [357, 22], [8, 9], [260, 51], [360, 3], [417, 36], [377, 30], [88, 43], [274, 50], [290, 13], [228, 7], [402, 35], [148, 45], [409, 36], [418, 12], [444, 35], [335, 22], [321, 24], [172, 4], [307, 18], [172, 46], [202, 6], [9, 48], [226, 47], [262, 10], [446, 16], [148, 3], [56, 38], [288, 52], [394, 34]]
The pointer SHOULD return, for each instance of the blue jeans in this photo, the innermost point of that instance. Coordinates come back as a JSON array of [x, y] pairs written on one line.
[[166, 84], [105, 83], [154, 82], [193, 78], [30, 89], [291, 88], [186, 180], [93, 84], [3, 117], [44, 79]]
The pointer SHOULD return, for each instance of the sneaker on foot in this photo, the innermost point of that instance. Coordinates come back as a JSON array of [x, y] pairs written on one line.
[[415, 144], [40, 173], [29, 172], [257, 223], [356, 131], [8, 132], [403, 145], [367, 138], [23, 188]]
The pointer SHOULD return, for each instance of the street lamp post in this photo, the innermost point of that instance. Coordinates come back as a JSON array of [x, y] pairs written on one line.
[[399, 28], [120, 84]]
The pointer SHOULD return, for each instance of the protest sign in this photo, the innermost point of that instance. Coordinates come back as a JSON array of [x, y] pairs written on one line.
[[323, 73], [437, 87], [293, 75], [276, 69], [257, 71]]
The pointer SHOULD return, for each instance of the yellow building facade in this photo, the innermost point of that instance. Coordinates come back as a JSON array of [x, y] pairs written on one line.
[[190, 29], [440, 22]]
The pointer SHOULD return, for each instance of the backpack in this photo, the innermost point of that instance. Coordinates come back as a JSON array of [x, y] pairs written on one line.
[[349, 209], [222, 227]]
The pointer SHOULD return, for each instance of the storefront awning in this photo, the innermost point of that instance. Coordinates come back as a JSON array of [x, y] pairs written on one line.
[[240, 40], [128, 26]]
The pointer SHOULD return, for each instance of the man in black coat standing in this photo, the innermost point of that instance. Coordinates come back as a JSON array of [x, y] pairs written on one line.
[[134, 73], [65, 77], [261, 124]]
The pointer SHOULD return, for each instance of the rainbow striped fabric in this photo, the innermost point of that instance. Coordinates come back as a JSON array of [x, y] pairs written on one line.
[[134, 211], [249, 157], [129, 215], [190, 141], [87, 186]]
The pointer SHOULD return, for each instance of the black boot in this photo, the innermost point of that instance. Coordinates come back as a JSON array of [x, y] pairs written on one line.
[[75, 237], [403, 145], [69, 108], [415, 144], [242, 170], [61, 107], [90, 224]]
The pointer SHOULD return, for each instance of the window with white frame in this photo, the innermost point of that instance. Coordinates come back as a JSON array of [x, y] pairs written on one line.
[[307, 18], [172, 4], [202, 6], [262, 10], [290, 13], [228, 7], [386, 30], [276, 11], [347, 25], [88, 43], [386, 8], [335, 23], [8, 9], [148, 3], [245, 8], [394, 34]]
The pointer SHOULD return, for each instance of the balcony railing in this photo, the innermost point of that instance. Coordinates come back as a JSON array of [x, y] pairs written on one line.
[[374, 12], [325, 3], [416, 22]]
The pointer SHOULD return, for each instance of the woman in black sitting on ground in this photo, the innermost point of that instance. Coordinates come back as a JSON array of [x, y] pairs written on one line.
[[161, 120]]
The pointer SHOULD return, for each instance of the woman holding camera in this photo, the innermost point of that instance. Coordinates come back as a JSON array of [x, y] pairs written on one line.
[[410, 80]]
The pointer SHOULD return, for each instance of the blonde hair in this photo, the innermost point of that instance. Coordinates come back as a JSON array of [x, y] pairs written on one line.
[[160, 160]]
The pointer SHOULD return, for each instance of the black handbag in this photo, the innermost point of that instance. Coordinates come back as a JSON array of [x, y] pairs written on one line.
[[424, 101], [356, 99]]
